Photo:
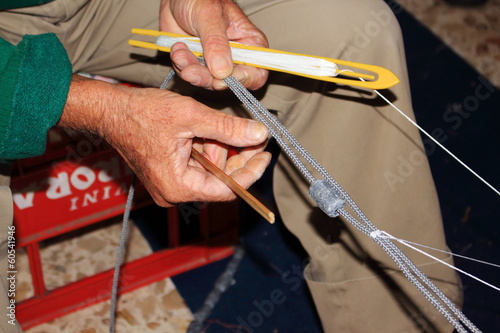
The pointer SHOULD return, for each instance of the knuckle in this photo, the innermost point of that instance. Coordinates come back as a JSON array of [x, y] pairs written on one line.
[[226, 125], [216, 43]]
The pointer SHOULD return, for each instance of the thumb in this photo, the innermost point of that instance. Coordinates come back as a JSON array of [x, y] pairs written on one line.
[[214, 40], [230, 130]]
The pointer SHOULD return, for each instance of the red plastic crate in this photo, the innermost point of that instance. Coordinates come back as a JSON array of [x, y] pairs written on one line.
[[76, 184]]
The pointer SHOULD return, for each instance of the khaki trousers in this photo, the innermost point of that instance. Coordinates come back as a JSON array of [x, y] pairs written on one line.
[[376, 155]]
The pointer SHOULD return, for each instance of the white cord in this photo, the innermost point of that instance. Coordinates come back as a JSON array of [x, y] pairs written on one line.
[[288, 62], [382, 234], [437, 142]]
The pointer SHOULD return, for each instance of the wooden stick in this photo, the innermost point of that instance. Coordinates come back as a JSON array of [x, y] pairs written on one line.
[[234, 186]]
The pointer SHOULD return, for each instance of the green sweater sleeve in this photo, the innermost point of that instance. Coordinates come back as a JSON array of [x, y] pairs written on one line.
[[9, 4], [34, 82]]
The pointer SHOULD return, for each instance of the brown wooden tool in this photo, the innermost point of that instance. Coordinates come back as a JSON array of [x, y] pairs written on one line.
[[234, 186]]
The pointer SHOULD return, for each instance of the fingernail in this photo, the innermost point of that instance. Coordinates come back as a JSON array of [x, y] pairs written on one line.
[[256, 131], [264, 161], [193, 79], [241, 76], [219, 85], [179, 62], [221, 68]]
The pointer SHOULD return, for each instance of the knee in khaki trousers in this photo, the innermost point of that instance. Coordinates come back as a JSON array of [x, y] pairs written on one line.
[[358, 138]]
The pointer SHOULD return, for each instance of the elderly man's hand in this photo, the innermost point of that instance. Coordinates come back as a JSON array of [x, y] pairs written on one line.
[[216, 22], [154, 131]]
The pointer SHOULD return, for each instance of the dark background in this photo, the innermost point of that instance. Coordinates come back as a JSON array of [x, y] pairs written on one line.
[[444, 94]]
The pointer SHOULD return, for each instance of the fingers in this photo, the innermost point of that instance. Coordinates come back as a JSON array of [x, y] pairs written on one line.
[[245, 170], [216, 152], [154, 130], [216, 23], [212, 25], [226, 129], [252, 78], [217, 53], [190, 70], [252, 170]]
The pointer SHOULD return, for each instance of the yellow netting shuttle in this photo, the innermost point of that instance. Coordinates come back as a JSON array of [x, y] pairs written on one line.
[[314, 67]]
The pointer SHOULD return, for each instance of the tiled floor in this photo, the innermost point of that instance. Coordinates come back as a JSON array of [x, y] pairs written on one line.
[[157, 307], [474, 33]]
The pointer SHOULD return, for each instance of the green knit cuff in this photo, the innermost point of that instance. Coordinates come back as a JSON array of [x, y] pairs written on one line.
[[40, 72], [8, 4]]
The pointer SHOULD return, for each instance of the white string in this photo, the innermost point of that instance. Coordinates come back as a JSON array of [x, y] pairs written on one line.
[[441, 302], [382, 234], [427, 287], [436, 142], [288, 62], [455, 255], [305, 65]]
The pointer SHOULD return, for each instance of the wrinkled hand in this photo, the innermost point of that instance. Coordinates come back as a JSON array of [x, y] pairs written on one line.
[[216, 22], [154, 131]]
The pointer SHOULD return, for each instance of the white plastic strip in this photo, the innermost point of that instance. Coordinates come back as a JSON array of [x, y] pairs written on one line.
[[288, 62]]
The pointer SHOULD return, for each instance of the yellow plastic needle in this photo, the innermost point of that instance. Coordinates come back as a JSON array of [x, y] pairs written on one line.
[[376, 78]]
